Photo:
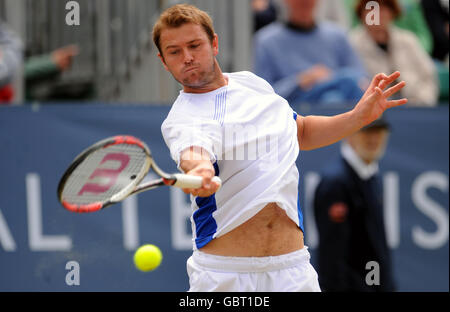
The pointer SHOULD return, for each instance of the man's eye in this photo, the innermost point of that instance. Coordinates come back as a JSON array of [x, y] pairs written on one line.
[[194, 46], [174, 52]]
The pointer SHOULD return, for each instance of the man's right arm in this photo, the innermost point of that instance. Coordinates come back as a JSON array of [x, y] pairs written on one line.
[[196, 161], [191, 141]]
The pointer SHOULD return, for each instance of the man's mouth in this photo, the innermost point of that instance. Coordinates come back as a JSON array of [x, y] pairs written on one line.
[[190, 69]]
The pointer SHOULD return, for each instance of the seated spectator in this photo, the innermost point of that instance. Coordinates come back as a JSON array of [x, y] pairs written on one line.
[[38, 70], [308, 61], [10, 60], [264, 13], [334, 11], [412, 19], [386, 47], [41, 69]]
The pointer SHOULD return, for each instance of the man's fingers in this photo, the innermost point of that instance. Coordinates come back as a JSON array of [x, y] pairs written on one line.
[[382, 80], [377, 80], [206, 183], [395, 103], [388, 80], [378, 93], [391, 91], [215, 186], [392, 77], [207, 189]]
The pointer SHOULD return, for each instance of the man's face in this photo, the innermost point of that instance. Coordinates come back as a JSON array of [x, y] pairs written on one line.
[[386, 19], [189, 55], [370, 144], [301, 6]]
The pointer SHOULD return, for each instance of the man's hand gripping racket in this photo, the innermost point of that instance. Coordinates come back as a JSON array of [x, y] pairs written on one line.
[[110, 171]]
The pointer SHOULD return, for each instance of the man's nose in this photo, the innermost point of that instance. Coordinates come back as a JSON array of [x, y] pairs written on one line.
[[188, 57]]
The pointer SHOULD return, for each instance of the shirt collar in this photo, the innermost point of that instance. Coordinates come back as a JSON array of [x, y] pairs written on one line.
[[364, 171], [299, 28]]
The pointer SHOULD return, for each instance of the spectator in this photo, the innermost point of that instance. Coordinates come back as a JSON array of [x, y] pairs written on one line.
[[306, 60], [38, 70], [264, 13], [334, 11], [437, 16], [10, 60], [412, 19], [349, 214], [384, 47], [41, 69]]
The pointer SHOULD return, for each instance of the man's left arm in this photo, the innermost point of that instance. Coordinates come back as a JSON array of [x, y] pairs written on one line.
[[319, 131]]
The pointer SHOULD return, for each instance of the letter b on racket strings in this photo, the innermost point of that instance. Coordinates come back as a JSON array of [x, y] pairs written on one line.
[[110, 174]]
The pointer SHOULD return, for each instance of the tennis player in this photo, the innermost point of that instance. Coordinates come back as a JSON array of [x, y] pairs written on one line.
[[247, 236]]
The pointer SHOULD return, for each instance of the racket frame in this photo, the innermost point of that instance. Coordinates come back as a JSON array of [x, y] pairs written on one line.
[[116, 140], [178, 179]]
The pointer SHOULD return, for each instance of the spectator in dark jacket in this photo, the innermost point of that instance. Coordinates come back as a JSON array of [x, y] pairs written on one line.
[[349, 215]]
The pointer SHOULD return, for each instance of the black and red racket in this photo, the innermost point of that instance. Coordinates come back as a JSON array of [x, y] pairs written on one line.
[[111, 170]]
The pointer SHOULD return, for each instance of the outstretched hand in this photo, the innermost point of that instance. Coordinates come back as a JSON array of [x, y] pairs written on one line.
[[208, 188], [376, 99], [205, 170]]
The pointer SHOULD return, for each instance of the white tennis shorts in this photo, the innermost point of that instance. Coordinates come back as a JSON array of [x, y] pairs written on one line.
[[291, 272]]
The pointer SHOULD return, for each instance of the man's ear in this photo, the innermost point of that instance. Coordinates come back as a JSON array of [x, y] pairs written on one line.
[[163, 61], [215, 44]]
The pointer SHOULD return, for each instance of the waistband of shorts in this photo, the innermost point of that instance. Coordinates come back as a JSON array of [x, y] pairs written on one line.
[[250, 264]]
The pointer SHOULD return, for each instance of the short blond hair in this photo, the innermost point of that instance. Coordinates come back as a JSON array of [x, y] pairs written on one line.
[[181, 14]]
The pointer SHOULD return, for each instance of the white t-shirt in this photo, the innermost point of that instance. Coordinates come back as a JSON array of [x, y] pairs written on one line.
[[250, 133]]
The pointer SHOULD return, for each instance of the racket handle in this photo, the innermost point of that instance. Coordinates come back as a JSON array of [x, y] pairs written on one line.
[[190, 181]]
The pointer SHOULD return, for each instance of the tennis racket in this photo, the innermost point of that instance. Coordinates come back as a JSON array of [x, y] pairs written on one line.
[[111, 170]]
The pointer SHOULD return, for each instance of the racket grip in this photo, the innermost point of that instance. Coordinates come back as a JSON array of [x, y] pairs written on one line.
[[191, 181]]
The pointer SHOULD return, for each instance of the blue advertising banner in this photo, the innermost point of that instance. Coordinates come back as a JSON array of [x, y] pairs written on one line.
[[43, 247]]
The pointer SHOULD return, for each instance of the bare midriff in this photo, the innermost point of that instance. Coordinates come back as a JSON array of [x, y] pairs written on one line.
[[269, 233]]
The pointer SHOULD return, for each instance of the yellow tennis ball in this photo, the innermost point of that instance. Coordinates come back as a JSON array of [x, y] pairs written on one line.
[[147, 257]]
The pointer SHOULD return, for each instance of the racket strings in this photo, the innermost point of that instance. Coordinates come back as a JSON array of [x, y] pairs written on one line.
[[106, 173]]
